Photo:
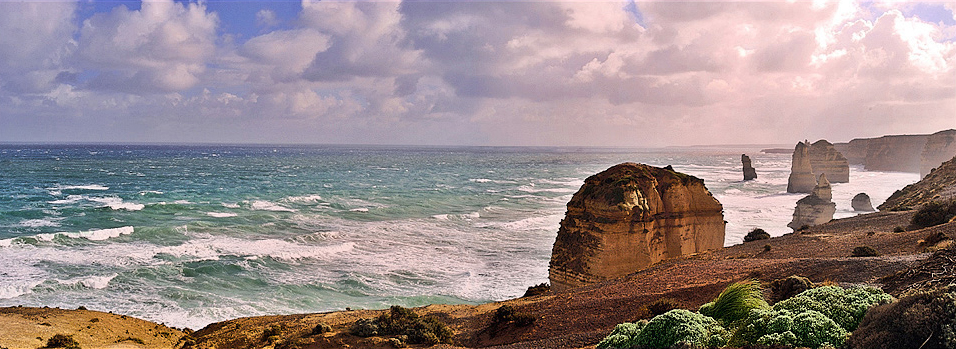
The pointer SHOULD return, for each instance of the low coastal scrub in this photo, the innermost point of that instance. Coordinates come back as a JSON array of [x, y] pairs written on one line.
[[739, 317], [507, 318], [756, 234], [538, 289], [920, 319], [663, 305], [934, 213], [864, 251], [62, 341], [400, 321]]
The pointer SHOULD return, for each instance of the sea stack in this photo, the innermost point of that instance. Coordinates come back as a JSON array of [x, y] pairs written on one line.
[[824, 158], [861, 202], [629, 217], [816, 208], [749, 171], [801, 172]]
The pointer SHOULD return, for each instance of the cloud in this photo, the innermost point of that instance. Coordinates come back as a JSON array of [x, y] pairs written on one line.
[[532, 73], [163, 47]]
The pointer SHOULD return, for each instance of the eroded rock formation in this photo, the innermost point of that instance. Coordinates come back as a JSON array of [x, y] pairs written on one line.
[[629, 217], [940, 146], [801, 172], [861, 202], [749, 171], [816, 208], [824, 158]]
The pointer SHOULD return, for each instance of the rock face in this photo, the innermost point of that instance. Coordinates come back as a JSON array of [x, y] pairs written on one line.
[[861, 202], [940, 146], [824, 158], [816, 208], [903, 153], [749, 171], [629, 217], [801, 172], [940, 184]]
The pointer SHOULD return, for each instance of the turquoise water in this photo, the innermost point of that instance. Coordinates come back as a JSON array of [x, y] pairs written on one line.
[[188, 235]]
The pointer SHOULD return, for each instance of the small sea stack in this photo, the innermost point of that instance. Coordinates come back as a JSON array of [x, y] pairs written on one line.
[[816, 208], [749, 172], [861, 202], [629, 217], [801, 172]]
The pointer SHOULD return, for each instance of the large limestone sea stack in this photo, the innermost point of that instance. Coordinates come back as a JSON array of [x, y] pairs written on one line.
[[824, 158], [801, 172], [631, 216], [749, 171]]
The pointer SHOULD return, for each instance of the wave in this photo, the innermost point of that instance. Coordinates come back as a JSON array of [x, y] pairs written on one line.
[[117, 203], [263, 205], [533, 189], [221, 214], [38, 223], [215, 248], [94, 282], [70, 199], [304, 199], [100, 234], [80, 187]]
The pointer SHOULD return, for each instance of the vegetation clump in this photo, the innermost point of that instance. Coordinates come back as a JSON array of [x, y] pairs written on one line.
[[788, 287], [507, 314], [62, 341], [735, 302], [864, 251], [899, 229], [920, 319], [538, 289], [934, 213], [321, 328], [674, 327], [756, 234], [402, 321], [663, 305], [816, 318]]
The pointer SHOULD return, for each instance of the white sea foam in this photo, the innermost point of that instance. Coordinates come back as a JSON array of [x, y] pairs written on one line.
[[99, 234], [117, 203], [14, 290], [304, 199], [43, 222], [360, 209], [94, 282], [150, 192], [534, 189], [70, 199], [6, 242], [221, 214], [214, 248], [263, 205], [230, 205]]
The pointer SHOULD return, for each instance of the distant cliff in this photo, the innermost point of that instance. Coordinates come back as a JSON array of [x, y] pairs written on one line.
[[903, 153], [631, 216]]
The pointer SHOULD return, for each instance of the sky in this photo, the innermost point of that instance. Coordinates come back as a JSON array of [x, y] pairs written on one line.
[[517, 73]]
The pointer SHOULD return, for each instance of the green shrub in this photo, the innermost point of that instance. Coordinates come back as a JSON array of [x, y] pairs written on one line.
[[507, 314], [735, 302], [783, 327], [845, 306], [756, 234], [934, 213], [675, 327], [864, 251], [62, 341]]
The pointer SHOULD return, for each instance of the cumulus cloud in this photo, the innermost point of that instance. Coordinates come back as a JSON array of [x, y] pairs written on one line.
[[37, 38], [163, 47]]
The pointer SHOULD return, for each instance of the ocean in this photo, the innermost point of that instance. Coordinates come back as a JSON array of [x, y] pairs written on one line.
[[190, 235]]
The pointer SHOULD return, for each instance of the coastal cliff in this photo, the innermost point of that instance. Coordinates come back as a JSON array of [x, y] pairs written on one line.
[[629, 217], [903, 153], [940, 146], [825, 159]]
